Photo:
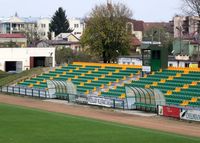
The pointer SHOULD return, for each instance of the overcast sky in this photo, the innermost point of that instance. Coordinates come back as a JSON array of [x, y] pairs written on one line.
[[147, 10]]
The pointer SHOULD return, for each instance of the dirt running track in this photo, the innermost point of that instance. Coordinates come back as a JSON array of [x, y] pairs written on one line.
[[158, 123]]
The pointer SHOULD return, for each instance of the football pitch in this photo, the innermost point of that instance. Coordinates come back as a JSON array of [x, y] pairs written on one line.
[[26, 125]]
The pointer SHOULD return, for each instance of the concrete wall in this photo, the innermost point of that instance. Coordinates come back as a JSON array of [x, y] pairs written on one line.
[[24, 54]]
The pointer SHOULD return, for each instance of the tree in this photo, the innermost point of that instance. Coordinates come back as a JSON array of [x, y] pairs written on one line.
[[191, 7], [160, 34], [59, 23], [106, 34], [63, 55], [67, 55], [31, 34]]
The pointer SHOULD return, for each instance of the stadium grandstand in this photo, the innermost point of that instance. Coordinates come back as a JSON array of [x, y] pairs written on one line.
[[180, 86]]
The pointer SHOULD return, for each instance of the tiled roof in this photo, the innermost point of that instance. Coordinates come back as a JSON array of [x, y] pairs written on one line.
[[18, 35], [138, 25], [135, 41]]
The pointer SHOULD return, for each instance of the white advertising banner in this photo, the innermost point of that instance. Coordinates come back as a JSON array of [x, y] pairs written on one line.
[[193, 115], [146, 68], [100, 101]]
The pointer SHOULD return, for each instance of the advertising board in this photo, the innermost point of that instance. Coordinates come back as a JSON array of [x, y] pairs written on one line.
[[193, 115], [146, 68], [171, 112], [106, 102]]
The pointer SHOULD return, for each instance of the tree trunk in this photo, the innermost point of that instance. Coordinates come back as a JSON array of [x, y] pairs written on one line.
[[104, 57]]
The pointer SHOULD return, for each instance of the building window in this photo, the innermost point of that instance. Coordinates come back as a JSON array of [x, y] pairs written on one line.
[[76, 25], [43, 25], [75, 33]]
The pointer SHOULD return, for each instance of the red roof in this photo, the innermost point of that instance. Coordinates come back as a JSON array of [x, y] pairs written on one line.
[[17, 35], [138, 25], [135, 41]]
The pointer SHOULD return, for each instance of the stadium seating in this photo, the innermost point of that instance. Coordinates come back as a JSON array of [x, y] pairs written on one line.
[[180, 86], [86, 77]]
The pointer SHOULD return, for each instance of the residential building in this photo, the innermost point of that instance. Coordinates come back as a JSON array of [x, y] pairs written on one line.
[[135, 45], [29, 25], [185, 26], [37, 25], [136, 28], [43, 28], [77, 25], [10, 40], [63, 40]]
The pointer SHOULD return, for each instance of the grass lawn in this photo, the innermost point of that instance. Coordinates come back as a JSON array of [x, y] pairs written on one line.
[[22, 125], [10, 78]]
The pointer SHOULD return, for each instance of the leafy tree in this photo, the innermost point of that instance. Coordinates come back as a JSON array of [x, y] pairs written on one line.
[[67, 55], [106, 35], [59, 23], [63, 55], [160, 34]]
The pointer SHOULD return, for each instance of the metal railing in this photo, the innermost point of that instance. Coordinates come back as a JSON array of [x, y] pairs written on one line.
[[41, 93], [93, 100]]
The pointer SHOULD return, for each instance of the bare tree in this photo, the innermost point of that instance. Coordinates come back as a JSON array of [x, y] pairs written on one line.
[[191, 7]]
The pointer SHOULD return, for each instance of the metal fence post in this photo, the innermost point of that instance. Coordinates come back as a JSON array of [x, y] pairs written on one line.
[[32, 92], [39, 93], [45, 94], [114, 103], [123, 104], [13, 92], [25, 92]]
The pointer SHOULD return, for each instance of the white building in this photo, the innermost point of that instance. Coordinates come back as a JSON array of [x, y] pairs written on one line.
[[77, 25], [32, 25], [43, 28], [19, 59], [17, 24]]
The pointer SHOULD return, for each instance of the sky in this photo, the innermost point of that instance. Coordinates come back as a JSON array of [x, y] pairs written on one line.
[[146, 10]]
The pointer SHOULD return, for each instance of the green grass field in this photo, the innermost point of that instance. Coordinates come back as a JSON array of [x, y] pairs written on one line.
[[21, 125]]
